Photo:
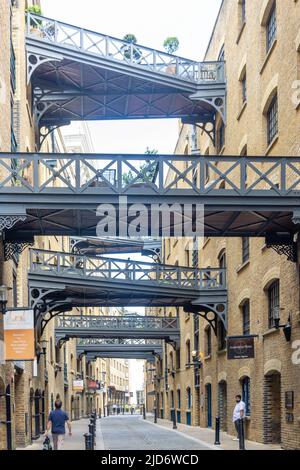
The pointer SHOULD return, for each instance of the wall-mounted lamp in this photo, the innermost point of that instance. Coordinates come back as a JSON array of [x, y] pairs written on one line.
[[3, 298], [43, 350], [287, 328]]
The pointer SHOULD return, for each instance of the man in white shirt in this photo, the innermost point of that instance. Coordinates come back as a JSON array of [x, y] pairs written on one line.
[[238, 413]]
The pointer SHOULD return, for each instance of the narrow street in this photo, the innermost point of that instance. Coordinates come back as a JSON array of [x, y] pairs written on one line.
[[132, 433], [128, 432]]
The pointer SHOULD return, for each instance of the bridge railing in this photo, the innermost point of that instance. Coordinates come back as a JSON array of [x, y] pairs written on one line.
[[160, 175], [108, 322], [90, 42], [118, 341], [112, 269]]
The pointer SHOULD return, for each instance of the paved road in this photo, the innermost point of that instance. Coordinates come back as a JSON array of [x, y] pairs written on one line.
[[133, 433]]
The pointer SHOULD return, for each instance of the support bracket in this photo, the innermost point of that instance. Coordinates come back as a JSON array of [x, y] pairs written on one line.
[[211, 313], [283, 244]]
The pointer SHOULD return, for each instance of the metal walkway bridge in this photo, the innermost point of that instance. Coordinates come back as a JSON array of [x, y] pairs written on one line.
[[125, 348], [55, 194], [135, 328], [77, 74], [94, 246], [59, 282]]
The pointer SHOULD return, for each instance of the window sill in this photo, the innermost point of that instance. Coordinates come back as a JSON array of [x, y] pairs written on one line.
[[222, 150], [271, 145], [241, 32], [205, 242], [242, 266], [269, 53], [244, 106], [270, 331], [221, 352]]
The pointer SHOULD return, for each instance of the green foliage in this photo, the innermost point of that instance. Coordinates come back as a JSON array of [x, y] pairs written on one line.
[[35, 10], [171, 44], [130, 38], [126, 49], [147, 171]]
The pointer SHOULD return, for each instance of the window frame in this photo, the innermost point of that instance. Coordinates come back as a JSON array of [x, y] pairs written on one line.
[[246, 394], [272, 119], [271, 28], [246, 318], [273, 302]]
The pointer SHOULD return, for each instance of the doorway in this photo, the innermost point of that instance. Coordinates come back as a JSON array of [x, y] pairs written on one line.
[[272, 407], [208, 405]]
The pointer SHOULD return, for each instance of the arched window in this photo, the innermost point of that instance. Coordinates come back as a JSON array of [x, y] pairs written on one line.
[[188, 352], [271, 28], [207, 333], [188, 398], [178, 399], [246, 317], [272, 119], [273, 303]]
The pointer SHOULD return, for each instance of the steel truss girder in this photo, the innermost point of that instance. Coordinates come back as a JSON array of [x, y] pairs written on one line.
[[284, 245], [64, 69], [211, 313], [107, 245], [117, 328], [233, 206]]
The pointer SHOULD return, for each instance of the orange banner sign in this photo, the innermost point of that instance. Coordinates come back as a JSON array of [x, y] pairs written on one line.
[[19, 335]]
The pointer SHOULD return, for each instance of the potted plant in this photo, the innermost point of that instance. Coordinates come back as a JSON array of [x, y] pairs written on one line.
[[34, 23], [171, 45], [126, 49]]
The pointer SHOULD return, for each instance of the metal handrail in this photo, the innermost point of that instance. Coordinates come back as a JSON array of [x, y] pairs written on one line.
[[114, 269], [230, 175], [115, 49]]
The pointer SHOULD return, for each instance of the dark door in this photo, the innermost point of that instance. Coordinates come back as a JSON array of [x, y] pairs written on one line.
[[208, 406], [8, 418]]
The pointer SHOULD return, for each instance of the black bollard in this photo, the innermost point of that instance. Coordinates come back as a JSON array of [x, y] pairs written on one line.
[[144, 412], [174, 419], [104, 412], [99, 413], [123, 410], [88, 441], [241, 434], [217, 432], [155, 415], [91, 431]]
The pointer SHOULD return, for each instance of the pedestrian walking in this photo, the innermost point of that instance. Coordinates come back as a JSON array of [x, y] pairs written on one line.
[[56, 422], [238, 413]]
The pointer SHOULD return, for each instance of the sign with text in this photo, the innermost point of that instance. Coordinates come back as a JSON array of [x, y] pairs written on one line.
[[78, 385], [92, 384], [240, 347], [19, 335]]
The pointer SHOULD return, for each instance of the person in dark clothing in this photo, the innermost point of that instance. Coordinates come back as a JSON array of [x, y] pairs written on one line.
[[56, 422]]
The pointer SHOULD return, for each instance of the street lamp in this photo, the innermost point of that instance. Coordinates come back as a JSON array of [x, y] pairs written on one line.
[[43, 350], [3, 298], [287, 327]]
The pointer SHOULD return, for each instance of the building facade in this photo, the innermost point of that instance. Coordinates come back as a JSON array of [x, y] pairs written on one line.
[[29, 389], [259, 40]]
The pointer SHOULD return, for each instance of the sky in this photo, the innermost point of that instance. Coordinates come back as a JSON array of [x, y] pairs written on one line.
[[152, 22]]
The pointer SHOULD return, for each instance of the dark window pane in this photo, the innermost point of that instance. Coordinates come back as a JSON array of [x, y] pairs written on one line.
[[272, 120], [246, 318], [271, 28], [274, 298]]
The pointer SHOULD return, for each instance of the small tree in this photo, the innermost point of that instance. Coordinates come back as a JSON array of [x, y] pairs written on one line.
[[35, 10], [171, 44], [136, 53], [147, 171]]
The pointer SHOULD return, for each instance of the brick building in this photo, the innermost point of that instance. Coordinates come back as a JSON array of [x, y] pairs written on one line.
[[259, 40]]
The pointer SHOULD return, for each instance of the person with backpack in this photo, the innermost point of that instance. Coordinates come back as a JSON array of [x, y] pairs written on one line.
[[56, 422]]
